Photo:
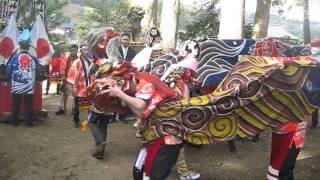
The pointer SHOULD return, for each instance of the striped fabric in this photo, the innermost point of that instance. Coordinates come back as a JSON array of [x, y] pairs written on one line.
[[217, 57], [263, 106], [272, 174], [258, 92], [85, 103]]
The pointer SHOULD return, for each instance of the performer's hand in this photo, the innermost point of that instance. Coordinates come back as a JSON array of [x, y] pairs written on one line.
[[143, 143], [115, 91]]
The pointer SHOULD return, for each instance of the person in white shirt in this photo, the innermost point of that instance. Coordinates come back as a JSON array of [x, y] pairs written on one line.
[[153, 41], [147, 55]]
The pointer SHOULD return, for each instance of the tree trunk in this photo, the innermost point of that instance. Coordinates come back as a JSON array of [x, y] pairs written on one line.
[[306, 23], [261, 20], [150, 17], [155, 12], [232, 19], [169, 23], [242, 14]]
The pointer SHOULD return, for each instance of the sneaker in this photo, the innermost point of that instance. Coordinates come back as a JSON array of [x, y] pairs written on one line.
[[139, 135], [60, 112], [99, 151], [190, 176], [136, 124]]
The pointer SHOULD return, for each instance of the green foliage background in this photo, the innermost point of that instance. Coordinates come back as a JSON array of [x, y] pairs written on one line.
[[193, 22], [102, 13]]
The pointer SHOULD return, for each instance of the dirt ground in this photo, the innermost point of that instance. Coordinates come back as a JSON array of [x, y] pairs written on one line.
[[54, 150]]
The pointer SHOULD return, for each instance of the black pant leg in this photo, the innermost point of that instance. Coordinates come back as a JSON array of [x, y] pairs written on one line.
[[28, 106], [98, 124], [58, 87], [93, 124], [286, 172], [16, 101], [138, 168], [48, 85], [165, 160], [315, 118], [76, 113], [103, 125]]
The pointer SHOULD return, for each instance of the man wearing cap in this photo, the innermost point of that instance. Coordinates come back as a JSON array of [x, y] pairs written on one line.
[[21, 69], [79, 79]]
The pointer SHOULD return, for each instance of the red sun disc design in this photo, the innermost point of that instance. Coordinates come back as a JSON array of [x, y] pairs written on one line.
[[42, 48], [6, 47]]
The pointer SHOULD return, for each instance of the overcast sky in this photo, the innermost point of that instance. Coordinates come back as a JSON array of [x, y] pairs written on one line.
[[295, 12], [291, 11]]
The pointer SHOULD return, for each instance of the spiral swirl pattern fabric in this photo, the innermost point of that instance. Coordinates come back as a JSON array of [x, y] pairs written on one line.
[[258, 92]]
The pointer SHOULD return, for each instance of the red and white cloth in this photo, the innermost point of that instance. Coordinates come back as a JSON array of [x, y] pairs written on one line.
[[78, 78], [298, 130], [40, 41], [283, 138], [54, 67], [9, 40], [65, 66]]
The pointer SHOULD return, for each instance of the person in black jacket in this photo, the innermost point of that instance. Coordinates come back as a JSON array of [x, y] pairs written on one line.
[[126, 52]]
